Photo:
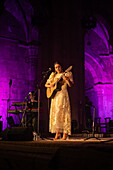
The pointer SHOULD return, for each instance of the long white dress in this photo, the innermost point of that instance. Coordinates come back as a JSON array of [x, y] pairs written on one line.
[[60, 111]]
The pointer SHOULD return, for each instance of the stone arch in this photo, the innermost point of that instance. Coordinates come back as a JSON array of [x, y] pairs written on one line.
[[21, 54], [14, 7], [106, 27], [97, 76], [97, 66], [102, 32]]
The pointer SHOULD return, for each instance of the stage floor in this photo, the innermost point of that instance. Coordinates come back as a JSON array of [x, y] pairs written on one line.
[[74, 153]]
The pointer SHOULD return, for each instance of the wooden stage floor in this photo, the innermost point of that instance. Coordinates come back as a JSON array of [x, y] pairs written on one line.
[[74, 153]]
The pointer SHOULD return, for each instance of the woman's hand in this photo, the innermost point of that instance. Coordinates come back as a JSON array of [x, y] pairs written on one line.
[[49, 85], [67, 80], [52, 85]]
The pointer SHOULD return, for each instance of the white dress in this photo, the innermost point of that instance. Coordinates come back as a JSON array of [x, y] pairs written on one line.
[[60, 112]]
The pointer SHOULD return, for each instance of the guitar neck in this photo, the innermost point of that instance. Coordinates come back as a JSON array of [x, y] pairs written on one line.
[[51, 90], [63, 74]]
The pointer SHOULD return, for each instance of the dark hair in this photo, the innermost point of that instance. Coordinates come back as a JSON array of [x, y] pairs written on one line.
[[57, 62]]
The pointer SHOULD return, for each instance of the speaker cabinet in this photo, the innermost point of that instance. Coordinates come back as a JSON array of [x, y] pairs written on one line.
[[17, 134]]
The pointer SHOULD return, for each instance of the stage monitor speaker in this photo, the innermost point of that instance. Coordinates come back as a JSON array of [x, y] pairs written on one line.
[[17, 134]]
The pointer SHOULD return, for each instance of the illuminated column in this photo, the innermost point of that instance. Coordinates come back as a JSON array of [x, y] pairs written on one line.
[[105, 101], [99, 107], [108, 100], [33, 66]]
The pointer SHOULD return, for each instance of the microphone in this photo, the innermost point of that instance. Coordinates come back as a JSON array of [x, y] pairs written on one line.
[[44, 72]]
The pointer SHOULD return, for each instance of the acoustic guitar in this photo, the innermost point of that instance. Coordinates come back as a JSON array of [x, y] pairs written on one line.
[[51, 91]]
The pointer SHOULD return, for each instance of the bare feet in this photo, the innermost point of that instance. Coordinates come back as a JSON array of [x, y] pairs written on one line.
[[64, 136], [57, 136]]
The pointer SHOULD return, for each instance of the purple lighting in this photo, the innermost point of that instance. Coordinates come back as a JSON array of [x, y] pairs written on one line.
[[98, 71], [18, 58]]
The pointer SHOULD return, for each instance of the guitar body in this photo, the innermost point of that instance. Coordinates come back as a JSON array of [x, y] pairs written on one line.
[[51, 91]]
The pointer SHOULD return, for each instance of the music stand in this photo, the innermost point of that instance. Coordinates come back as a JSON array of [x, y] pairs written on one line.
[[93, 127]]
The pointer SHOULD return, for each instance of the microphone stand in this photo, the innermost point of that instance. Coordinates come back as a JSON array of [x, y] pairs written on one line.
[[93, 126], [37, 136], [23, 116]]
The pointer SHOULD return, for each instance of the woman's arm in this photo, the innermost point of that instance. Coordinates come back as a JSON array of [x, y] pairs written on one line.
[[48, 83], [68, 77], [67, 81]]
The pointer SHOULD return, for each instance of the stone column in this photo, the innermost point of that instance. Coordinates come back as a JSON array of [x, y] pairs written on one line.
[[32, 60]]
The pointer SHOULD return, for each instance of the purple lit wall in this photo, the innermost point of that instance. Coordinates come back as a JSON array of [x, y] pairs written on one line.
[[99, 70], [18, 59], [61, 37]]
